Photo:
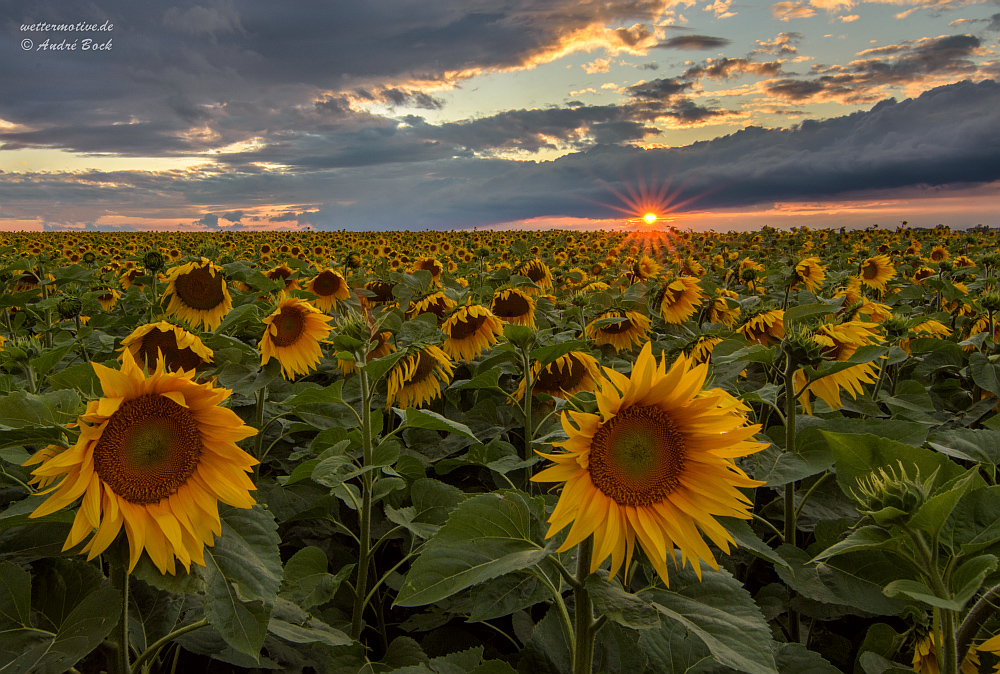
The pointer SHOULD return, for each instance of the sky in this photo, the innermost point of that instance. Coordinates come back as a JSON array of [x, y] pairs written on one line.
[[408, 114]]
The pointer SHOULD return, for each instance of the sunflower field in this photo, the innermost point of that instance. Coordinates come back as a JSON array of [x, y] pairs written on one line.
[[492, 452]]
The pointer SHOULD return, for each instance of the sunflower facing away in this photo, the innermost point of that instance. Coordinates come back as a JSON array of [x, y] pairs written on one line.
[[156, 454], [417, 379], [514, 306], [622, 335], [436, 303], [198, 294], [655, 465], [292, 334], [576, 371], [471, 330], [180, 349], [679, 299], [765, 328], [329, 287]]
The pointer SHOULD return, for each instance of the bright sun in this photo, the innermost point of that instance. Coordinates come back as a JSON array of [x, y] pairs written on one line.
[[650, 218]]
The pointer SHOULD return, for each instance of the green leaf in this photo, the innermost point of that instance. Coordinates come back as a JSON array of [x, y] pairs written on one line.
[[241, 315], [674, 648], [933, 513], [881, 640], [969, 576], [416, 418], [489, 379], [504, 595], [858, 456], [974, 524], [311, 396], [305, 580], [985, 373], [242, 574], [914, 589], [747, 540], [779, 468], [979, 445], [865, 538], [797, 659], [631, 610], [80, 377], [15, 596], [50, 358], [19, 409], [152, 614], [485, 537], [290, 623], [723, 615], [802, 312], [378, 367], [549, 354]]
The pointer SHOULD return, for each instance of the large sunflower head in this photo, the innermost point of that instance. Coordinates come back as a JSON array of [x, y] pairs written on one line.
[[431, 265], [538, 272], [436, 303], [679, 298], [576, 371], [877, 271], [765, 328], [381, 294], [725, 308], [656, 464], [646, 268], [810, 273], [198, 294], [179, 349], [155, 454], [329, 287], [417, 379], [471, 330], [292, 334], [632, 329], [514, 306]]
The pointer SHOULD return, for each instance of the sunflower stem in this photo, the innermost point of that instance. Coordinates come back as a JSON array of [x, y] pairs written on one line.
[[361, 587], [790, 512], [153, 650], [258, 421], [583, 659], [119, 581], [528, 431]]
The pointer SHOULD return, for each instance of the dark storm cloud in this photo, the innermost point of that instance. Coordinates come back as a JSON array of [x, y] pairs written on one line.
[[728, 68], [659, 89], [946, 137], [888, 65], [182, 68], [694, 42]]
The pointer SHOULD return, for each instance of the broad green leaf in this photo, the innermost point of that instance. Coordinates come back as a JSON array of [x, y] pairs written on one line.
[[985, 372], [417, 418], [242, 574], [804, 312], [19, 409], [917, 591], [488, 379], [152, 614], [797, 659], [15, 596], [294, 625], [779, 468], [548, 354], [722, 614], [485, 537], [881, 640], [504, 595], [80, 377], [305, 580], [50, 358], [979, 445], [968, 577], [859, 539], [331, 394], [974, 524], [631, 610], [747, 540], [378, 367], [674, 648], [933, 513]]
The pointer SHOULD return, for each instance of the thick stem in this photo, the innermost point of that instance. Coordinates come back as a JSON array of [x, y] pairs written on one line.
[[361, 587], [119, 581], [790, 512], [583, 658], [977, 616], [949, 655]]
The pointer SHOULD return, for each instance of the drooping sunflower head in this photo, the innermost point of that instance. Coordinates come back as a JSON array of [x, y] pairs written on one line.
[[329, 287], [877, 271], [810, 273], [574, 372], [678, 299], [156, 455], [108, 298], [381, 294], [436, 303], [538, 272], [180, 350], [198, 294], [431, 265], [514, 306], [656, 465], [283, 274], [471, 330], [725, 308], [292, 334], [623, 334], [417, 378], [766, 328]]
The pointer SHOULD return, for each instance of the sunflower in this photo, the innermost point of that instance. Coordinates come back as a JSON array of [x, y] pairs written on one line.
[[765, 328], [471, 330], [877, 271], [679, 298], [929, 328], [655, 465], [431, 265], [939, 254], [576, 371], [156, 454], [925, 656], [179, 349], [436, 303], [381, 347], [810, 273], [292, 334], [514, 306], [538, 272], [721, 310], [701, 351], [646, 268], [381, 294], [198, 294], [625, 334], [282, 274], [329, 287], [417, 379], [108, 298], [839, 342]]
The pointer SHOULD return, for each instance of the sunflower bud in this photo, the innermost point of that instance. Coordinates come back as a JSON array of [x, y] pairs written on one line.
[[748, 275], [991, 260], [946, 265], [802, 348], [580, 300], [69, 307], [89, 257], [352, 332], [482, 252], [889, 496], [896, 328], [154, 262], [990, 301]]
